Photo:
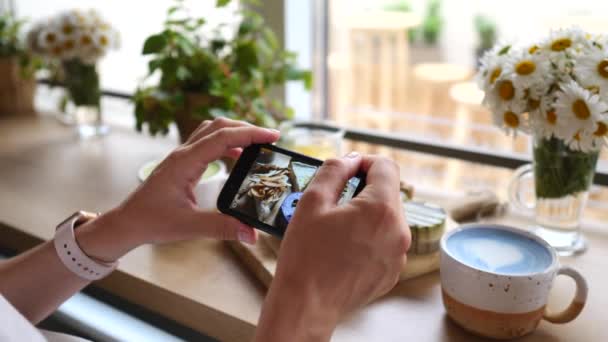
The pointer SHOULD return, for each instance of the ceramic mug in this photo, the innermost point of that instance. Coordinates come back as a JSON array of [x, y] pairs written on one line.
[[208, 188], [498, 304]]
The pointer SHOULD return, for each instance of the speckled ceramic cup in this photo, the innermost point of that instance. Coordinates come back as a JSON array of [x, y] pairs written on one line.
[[495, 280]]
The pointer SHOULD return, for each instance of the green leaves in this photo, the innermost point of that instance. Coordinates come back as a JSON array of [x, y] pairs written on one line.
[[182, 73], [154, 44], [236, 73], [504, 50]]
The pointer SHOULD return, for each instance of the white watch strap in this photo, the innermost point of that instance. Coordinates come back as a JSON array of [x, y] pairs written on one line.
[[74, 258]]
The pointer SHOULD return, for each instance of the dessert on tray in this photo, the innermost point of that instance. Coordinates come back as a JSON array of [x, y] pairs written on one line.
[[427, 225]]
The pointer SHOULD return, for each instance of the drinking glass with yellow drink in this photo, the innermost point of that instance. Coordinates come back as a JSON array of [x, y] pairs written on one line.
[[315, 142]]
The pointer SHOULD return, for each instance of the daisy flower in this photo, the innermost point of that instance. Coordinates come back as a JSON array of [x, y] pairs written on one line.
[[591, 141], [48, 38], [600, 136], [491, 66], [511, 121], [578, 111], [544, 119], [527, 70], [591, 71], [504, 94], [563, 40]]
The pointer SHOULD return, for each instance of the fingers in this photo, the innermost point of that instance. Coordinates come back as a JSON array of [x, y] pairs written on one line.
[[208, 127], [218, 226], [214, 145], [233, 153], [382, 180], [329, 182]]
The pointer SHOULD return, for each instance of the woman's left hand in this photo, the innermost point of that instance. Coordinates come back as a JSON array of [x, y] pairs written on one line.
[[164, 207]]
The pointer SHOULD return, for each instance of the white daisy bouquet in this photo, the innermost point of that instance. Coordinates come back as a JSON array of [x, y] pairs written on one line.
[[557, 90], [73, 42], [74, 34]]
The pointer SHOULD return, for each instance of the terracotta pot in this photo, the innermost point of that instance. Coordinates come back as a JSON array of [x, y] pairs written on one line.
[[187, 123], [16, 93], [185, 120]]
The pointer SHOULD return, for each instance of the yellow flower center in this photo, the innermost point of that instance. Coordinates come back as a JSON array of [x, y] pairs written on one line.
[[580, 109], [506, 90], [86, 40], [103, 40], [525, 67], [577, 136], [510, 119], [50, 37], [601, 130], [494, 75], [593, 89], [533, 49], [533, 104], [551, 117], [68, 45], [602, 68], [67, 29], [561, 44], [56, 50]]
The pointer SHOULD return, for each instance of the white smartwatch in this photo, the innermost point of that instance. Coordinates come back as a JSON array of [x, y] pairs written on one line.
[[70, 253]]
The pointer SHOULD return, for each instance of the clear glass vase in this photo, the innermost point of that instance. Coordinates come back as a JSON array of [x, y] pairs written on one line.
[[83, 98], [562, 178]]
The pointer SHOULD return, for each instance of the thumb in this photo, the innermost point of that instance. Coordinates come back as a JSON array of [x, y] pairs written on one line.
[[218, 226]]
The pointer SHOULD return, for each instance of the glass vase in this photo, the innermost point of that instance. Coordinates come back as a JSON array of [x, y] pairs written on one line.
[[83, 98], [562, 178]]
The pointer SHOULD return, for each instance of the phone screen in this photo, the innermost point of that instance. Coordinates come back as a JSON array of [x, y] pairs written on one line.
[[273, 185]]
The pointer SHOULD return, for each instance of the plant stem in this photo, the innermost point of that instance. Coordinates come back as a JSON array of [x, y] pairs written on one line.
[[82, 83], [560, 171]]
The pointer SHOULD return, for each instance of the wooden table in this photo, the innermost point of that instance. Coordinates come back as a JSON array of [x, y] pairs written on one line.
[[46, 174]]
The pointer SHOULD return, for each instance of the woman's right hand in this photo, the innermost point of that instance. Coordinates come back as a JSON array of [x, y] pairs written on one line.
[[333, 258]]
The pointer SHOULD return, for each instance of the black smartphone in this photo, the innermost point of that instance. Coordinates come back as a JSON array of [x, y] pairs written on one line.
[[266, 184]]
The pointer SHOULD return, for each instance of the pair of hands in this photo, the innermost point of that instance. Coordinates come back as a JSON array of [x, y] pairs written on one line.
[[332, 260]]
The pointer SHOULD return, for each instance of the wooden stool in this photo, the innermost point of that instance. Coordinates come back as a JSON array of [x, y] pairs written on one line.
[[433, 82], [429, 98], [377, 76]]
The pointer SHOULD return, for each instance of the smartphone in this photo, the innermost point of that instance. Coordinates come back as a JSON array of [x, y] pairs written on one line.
[[266, 184]]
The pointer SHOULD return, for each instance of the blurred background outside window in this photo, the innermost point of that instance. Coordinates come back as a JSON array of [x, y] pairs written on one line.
[[403, 67]]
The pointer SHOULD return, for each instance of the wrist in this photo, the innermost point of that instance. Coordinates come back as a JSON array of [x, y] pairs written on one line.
[[294, 311], [106, 238]]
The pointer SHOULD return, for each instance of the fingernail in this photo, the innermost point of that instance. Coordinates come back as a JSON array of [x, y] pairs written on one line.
[[246, 234], [352, 154], [272, 130]]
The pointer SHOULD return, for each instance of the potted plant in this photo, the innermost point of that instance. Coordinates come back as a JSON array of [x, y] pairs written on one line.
[[486, 35], [17, 67], [73, 42], [425, 39], [205, 73]]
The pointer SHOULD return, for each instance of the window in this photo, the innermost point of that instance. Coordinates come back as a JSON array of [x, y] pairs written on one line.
[[403, 67], [407, 67]]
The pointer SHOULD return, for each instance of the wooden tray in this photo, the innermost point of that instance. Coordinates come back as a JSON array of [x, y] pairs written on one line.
[[261, 258]]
